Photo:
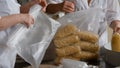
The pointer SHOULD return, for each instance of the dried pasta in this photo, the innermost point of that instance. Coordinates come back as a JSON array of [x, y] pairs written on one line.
[[66, 41], [67, 50]]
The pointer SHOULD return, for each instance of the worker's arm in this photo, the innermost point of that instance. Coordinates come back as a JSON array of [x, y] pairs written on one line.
[[11, 20]]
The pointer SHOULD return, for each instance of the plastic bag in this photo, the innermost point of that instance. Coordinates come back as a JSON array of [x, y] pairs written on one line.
[[7, 57], [7, 52], [79, 4], [88, 20], [68, 63], [32, 43]]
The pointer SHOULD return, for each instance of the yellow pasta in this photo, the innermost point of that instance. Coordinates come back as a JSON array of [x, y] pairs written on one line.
[[116, 42], [65, 31], [86, 46], [67, 50], [87, 36], [66, 41], [84, 55]]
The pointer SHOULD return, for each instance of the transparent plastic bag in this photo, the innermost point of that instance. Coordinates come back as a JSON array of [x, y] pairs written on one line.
[[88, 20], [7, 52], [68, 63], [7, 57], [31, 44], [79, 4]]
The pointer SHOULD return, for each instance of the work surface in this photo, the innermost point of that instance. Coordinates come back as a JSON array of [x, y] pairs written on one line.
[[100, 64]]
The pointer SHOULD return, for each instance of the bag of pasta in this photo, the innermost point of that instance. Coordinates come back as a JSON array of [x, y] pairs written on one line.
[[79, 29]]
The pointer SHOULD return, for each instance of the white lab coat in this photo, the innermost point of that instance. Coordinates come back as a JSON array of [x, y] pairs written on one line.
[[7, 53], [111, 6], [8, 7]]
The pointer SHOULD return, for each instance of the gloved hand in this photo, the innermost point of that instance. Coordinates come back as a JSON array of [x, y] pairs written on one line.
[[115, 25]]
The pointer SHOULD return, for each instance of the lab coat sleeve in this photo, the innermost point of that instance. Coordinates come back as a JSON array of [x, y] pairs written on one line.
[[113, 11], [54, 1]]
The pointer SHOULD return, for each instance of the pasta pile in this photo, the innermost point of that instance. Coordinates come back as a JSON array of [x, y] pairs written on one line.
[[74, 44]]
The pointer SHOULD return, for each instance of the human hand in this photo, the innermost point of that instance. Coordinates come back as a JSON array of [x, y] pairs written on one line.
[[68, 6], [43, 3], [27, 19], [115, 25]]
